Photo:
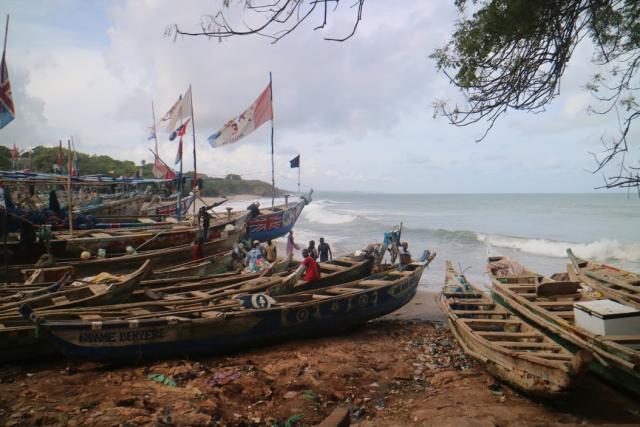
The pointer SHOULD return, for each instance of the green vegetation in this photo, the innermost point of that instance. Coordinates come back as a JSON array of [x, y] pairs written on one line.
[[512, 55], [222, 187], [42, 159]]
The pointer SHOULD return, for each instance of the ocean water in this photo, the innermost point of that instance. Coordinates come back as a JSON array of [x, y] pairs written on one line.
[[535, 229]]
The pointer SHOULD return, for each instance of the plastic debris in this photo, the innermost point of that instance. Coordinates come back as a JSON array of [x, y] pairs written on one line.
[[159, 378], [223, 378]]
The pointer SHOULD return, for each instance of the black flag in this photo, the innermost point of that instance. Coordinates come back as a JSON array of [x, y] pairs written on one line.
[[295, 162]]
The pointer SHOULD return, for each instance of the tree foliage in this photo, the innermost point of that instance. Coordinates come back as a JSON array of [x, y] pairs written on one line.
[[274, 19], [512, 54], [42, 159]]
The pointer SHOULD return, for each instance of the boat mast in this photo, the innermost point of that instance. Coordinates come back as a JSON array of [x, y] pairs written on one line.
[[273, 176], [69, 198], [193, 132], [179, 205]]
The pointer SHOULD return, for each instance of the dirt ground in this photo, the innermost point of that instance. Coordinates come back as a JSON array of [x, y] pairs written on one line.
[[400, 370]]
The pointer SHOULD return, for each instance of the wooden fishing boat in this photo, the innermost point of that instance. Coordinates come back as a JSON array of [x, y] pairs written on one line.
[[275, 222], [613, 282], [104, 289], [229, 325], [170, 207], [510, 350], [117, 240], [123, 206], [24, 292], [157, 295], [122, 263], [20, 341], [549, 305]]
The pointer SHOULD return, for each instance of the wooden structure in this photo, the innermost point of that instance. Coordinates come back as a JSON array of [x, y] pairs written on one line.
[[614, 357], [510, 350]]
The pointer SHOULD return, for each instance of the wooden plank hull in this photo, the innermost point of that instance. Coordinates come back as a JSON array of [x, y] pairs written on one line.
[[151, 238], [131, 340], [128, 206], [510, 350], [158, 258], [19, 341], [169, 208], [615, 363], [617, 284]]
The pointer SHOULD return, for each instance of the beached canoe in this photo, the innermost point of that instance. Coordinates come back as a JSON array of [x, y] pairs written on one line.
[[19, 341], [231, 325], [510, 350], [122, 263], [548, 304], [122, 206], [277, 221], [613, 282], [101, 290], [115, 241], [161, 295], [169, 207]]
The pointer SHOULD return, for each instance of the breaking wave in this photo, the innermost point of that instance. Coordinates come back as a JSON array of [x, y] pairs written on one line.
[[601, 250], [319, 212]]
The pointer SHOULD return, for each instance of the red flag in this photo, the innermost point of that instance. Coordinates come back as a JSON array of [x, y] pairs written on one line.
[[180, 131]]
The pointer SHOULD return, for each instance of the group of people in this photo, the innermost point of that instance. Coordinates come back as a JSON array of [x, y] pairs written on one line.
[[257, 258], [310, 256]]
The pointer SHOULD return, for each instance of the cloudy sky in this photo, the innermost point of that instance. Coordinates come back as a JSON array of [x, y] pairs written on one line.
[[360, 112]]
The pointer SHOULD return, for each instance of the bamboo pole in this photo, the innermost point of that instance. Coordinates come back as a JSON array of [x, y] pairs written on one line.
[[69, 198], [273, 176]]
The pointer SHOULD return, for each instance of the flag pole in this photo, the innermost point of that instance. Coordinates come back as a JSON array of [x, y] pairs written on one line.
[[69, 200], [273, 176], [298, 175], [6, 33], [179, 206], [153, 117], [193, 132]]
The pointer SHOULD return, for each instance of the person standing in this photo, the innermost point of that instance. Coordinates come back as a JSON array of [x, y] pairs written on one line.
[[204, 219], [324, 250], [291, 245], [404, 255], [271, 251], [313, 252], [312, 271]]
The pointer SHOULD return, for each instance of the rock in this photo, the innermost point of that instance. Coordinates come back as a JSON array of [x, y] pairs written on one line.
[[339, 417], [404, 373]]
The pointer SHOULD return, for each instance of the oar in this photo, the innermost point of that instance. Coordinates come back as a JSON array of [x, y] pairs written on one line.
[[154, 237]]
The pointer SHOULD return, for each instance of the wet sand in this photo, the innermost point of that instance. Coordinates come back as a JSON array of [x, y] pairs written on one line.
[[399, 370]]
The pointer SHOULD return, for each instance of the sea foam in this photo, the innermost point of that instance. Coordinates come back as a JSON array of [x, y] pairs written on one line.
[[602, 250], [319, 212]]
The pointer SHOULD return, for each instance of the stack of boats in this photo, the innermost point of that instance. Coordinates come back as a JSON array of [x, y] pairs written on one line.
[[539, 334], [191, 307]]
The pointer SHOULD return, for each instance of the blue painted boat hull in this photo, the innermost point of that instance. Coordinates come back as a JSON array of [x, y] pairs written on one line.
[[160, 338]]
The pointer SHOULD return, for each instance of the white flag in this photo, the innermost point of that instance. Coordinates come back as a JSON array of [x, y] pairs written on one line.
[[259, 112], [180, 110]]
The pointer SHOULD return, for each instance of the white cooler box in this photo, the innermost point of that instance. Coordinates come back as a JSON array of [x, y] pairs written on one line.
[[607, 317]]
